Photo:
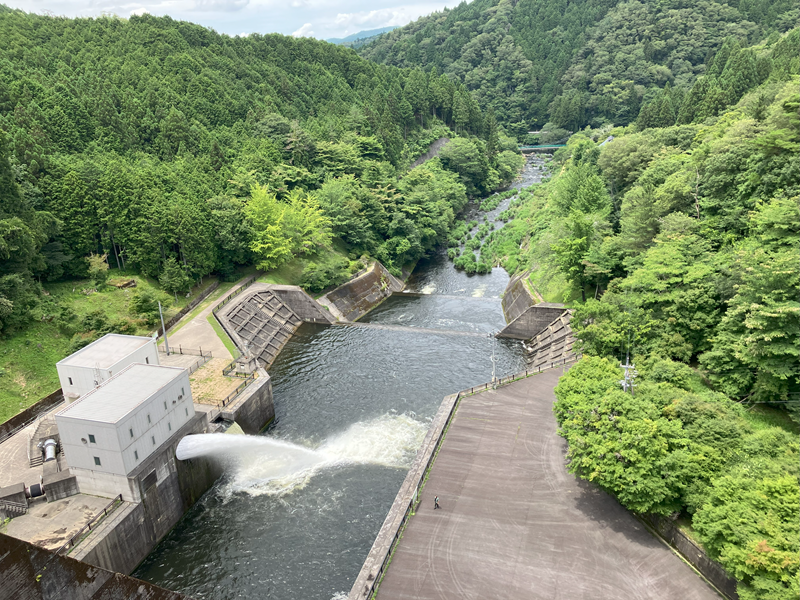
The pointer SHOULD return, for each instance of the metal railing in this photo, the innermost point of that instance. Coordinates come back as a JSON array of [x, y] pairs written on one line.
[[189, 351], [247, 283], [239, 389], [413, 502], [230, 370], [76, 539]]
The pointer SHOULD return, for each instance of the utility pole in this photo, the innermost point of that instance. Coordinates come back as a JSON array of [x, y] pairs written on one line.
[[630, 374], [163, 329]]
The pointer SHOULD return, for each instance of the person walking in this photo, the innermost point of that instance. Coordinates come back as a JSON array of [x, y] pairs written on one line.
[[436, 503]]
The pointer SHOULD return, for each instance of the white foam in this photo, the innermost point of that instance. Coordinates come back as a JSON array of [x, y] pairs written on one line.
[[265, 465]]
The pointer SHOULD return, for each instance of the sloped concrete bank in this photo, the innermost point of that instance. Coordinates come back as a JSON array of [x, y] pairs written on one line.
[[352, 300]]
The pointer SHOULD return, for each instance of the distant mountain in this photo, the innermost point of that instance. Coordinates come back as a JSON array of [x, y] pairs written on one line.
[[572, 63], [362, 37]]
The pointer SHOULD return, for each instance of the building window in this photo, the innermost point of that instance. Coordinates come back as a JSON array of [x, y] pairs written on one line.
[[147, 359], [187, 411], [136, 454], [165, 405], [131, 431], [70, 380], [169, 425], [148, 419], [152, 437], [182, 392], [91, 439], [97, 460]]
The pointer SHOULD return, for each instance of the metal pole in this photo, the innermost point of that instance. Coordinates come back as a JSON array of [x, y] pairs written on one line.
[[163, 329]]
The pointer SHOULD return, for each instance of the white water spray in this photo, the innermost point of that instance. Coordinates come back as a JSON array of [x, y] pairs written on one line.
[[265, 465]]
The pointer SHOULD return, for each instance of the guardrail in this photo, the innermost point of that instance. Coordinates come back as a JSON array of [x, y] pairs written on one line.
[[372, 581], [239, 389], [182, 312], [247, 283], [229, 370], [86, 529], [189, 351]]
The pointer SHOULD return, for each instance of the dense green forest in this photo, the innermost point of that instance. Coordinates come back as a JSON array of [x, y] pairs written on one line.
[[670, 224], [677, 247], [561, 65], [163, 147]]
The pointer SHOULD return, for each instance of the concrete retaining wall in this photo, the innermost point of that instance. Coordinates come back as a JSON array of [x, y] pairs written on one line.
[[517, 298], [33, 573], [696, 556], [352, 300], [60, 485], [253, 409], [21, 419], [303, 305], [128, 535], [532, 321]]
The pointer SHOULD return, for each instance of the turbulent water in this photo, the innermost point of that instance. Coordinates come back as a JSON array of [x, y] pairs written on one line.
[[299, 507]]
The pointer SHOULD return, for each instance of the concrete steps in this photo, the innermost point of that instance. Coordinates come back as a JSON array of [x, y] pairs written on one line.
[[263, 323], [552, 345]]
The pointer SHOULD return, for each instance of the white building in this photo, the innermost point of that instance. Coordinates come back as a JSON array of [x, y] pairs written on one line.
[[90, 366], [112, 429]]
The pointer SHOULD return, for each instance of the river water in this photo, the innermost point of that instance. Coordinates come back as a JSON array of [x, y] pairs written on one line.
[[299, 507]]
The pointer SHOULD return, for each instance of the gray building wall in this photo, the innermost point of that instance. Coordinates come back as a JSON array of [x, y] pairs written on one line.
[[166, 488]]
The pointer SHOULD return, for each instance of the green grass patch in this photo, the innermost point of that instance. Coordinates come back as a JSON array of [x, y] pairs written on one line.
[[222, 335], [28, 358], [762, 416], [216, 295], [28, 366]]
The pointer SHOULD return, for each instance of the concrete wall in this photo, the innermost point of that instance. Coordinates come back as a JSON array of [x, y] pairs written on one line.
[[711, 570], [352, 300], [14, 493], [517, 298], [253, 409], [130, 533], [60, 485], [33, 573], [30, 413], [532, 321], [303, 305]]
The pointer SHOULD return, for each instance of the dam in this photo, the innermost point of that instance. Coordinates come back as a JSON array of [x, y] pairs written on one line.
[[360, 399]]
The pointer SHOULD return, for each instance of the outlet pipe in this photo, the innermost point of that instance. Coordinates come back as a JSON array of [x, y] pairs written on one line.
[[50, 448]]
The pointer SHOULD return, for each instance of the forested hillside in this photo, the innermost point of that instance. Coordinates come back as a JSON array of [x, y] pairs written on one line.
[[567, 65], [677, 247], [163, 147]]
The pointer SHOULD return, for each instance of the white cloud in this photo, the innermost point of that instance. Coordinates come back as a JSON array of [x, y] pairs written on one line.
[[304, 31], [139, 12]]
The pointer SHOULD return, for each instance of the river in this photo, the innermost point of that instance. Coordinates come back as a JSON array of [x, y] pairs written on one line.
[[361, 397]]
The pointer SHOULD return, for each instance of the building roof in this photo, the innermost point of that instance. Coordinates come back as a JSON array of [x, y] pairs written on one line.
[[121, 394], [105, 352]]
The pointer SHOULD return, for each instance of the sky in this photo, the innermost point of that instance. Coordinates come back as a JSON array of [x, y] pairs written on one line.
[[310, 18]]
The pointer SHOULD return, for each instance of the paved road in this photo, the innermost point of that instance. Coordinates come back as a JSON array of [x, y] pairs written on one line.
[[198, 333], [514, 524]]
